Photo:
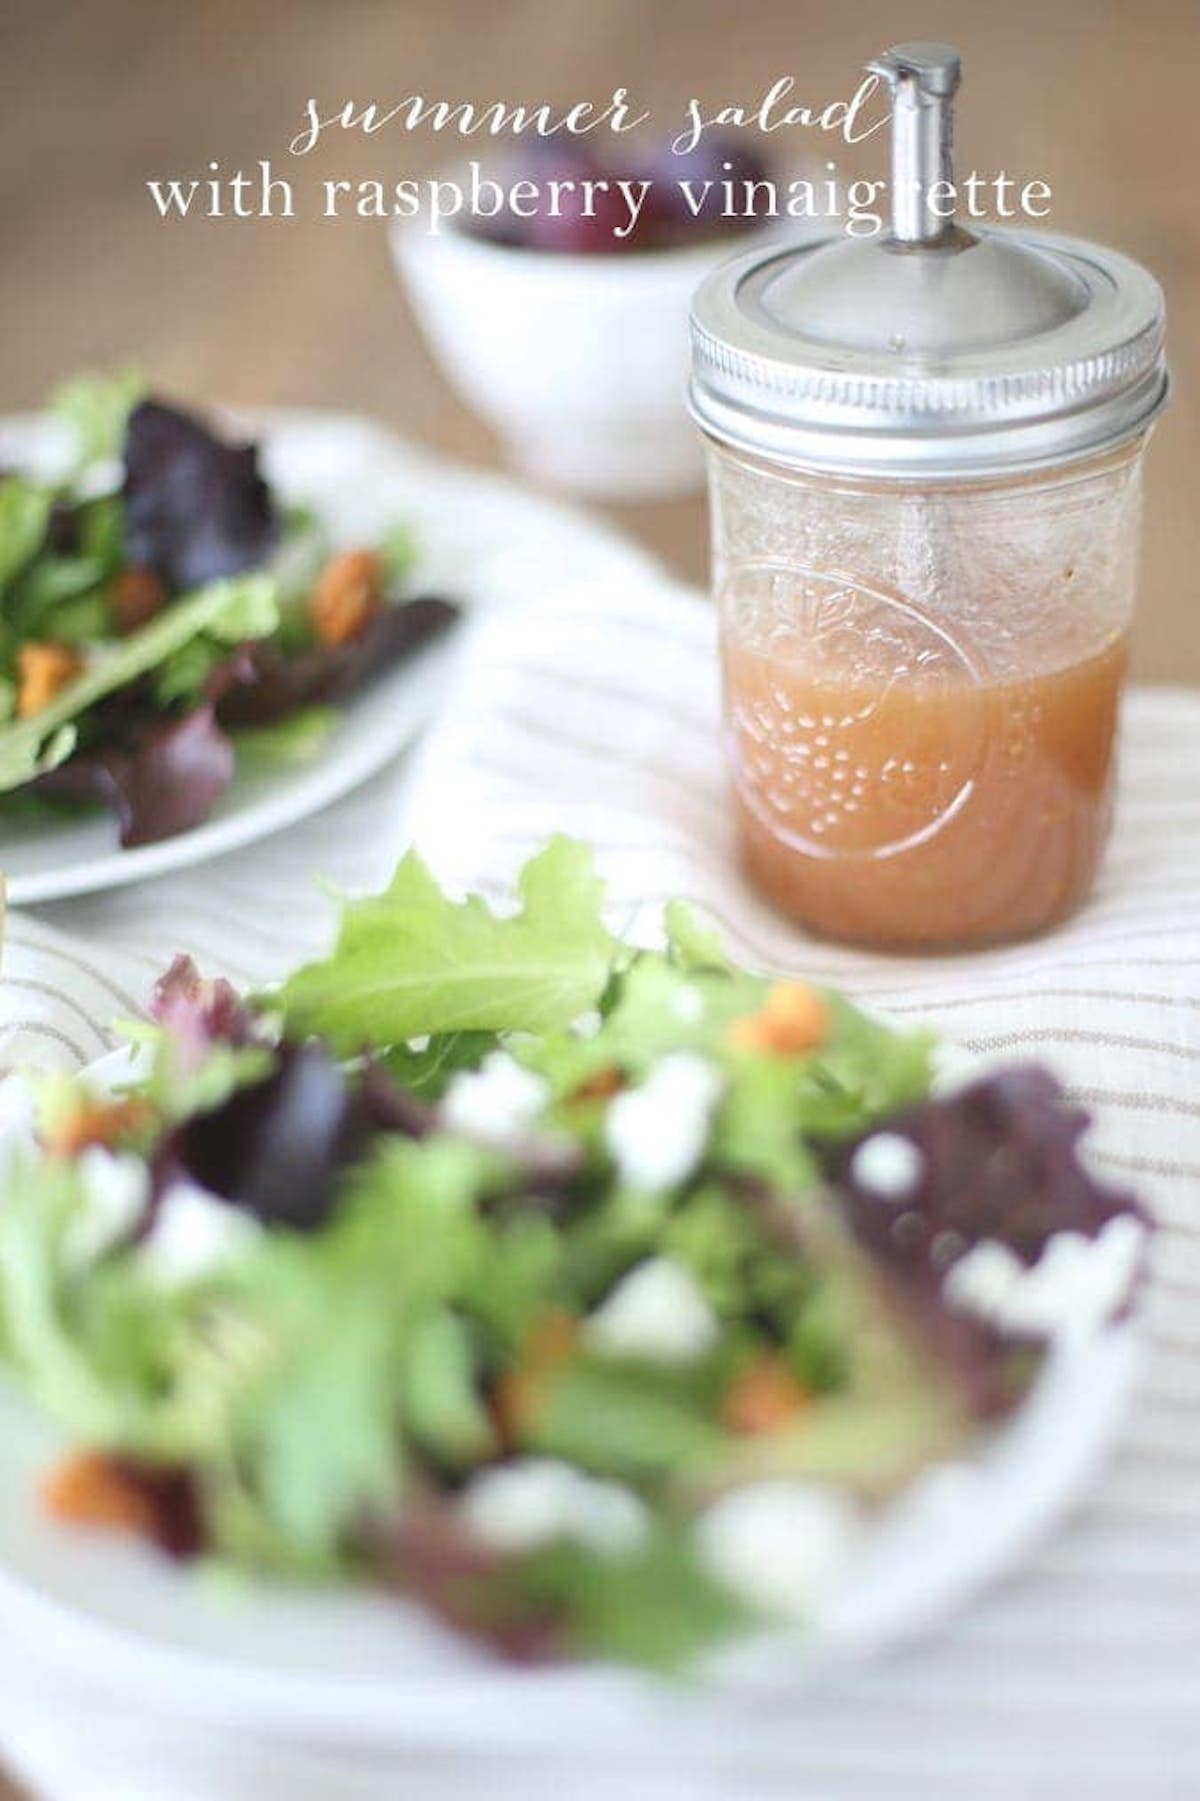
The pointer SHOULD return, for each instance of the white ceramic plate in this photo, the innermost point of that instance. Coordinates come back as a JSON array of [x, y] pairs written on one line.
[[484, 541]]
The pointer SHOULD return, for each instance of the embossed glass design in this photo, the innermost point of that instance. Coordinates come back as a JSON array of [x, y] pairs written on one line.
[[921, 691]]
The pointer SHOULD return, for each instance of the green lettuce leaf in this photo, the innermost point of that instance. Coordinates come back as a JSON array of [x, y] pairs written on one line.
[[691, 945], [313, 1434], [657, 1608], [24, 515], [426, 1069], [96, 407], [289, 743], [64, 595], [410, 961], [96, 1348], [398, 548]]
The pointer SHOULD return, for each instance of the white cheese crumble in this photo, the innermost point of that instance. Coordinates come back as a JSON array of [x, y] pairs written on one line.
[[780, 1545], [496, 1102], [687, 1004], [194, 1233], [116, 1188], [538, 1500], [1074, 1287], [657, 1312], [657, 1133], [887, 1165]]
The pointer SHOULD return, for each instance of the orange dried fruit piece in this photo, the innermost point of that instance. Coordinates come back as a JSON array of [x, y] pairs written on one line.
[[521, 1391], [43, 670], [136, 596], [600, 1086], [97, 1122], [348, 593], [89, 1489], [763, 1397], [552, 1337], [793, 1019]]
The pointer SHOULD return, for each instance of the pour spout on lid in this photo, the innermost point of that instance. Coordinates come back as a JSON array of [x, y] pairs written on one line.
[[923, 79]]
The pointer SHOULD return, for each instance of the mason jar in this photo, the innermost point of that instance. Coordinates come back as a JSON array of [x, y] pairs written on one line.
[[925, 470]]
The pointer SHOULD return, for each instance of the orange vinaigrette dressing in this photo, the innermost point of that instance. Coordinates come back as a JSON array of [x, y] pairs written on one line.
[[906, 815]]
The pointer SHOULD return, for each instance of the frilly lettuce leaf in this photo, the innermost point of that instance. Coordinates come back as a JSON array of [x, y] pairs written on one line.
[[691, 945], [410, 961]]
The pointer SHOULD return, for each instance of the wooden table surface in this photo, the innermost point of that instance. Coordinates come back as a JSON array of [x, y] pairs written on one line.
[[1095, 96]]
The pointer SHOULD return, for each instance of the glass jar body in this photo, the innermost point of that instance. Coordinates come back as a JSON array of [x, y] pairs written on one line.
[[921, 691]]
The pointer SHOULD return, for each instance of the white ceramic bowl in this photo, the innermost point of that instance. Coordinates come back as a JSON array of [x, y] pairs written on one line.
[[580, 362]]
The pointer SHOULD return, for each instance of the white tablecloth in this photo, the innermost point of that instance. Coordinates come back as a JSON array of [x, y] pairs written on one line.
[[596, 714]]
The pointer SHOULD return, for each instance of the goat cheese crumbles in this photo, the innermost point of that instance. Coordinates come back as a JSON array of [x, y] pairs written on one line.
[[495, 1103], [115, 1191], [887, 1165], [194, 1233], [657, 1132], [1076, 1284], [658, 1312], [594, 1299], [537, 1501], [780, 1545]]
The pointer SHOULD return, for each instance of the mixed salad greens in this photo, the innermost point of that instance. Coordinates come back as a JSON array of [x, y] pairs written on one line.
[[158, 605], [593, 1298]]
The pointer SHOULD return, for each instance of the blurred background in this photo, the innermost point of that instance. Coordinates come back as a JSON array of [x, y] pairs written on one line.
[[1096, 97]]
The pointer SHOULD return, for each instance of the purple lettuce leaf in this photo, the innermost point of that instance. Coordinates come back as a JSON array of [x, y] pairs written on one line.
[[172, 1501], [387, 1107], [277, 1146], [427, 1553], [164, 783], [199, 1013], [196, 508], [997, 1161], [261, 684]]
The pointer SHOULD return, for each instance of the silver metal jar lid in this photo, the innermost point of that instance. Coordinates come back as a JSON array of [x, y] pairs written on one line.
[[932, 350]]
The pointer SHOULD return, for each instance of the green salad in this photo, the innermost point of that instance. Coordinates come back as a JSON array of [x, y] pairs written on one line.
[[163, 613], [594, 1299]]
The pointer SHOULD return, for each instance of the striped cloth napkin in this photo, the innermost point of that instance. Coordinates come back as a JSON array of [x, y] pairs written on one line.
[[596, 714]]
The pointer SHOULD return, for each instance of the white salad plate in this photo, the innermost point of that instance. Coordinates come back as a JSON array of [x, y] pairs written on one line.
[[189, 1685], [481, 541]]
